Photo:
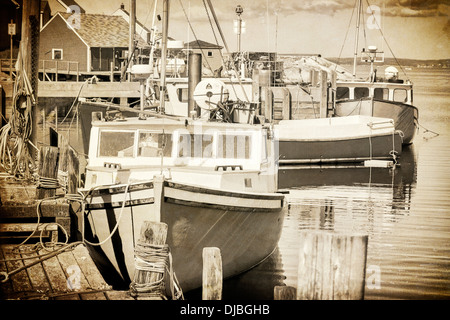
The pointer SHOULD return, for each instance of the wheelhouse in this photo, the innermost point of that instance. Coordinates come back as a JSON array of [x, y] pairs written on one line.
[[396, 92]]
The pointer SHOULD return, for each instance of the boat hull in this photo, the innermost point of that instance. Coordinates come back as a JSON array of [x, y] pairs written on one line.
[[340, 150], [338, 139], [405, 116], [245, 226]]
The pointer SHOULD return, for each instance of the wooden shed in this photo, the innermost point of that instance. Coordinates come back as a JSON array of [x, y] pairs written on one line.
[[85, 42], [211, 53]]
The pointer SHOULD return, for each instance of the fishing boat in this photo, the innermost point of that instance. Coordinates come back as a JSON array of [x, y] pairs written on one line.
[[386, 97], [338, 139], [212, 183]]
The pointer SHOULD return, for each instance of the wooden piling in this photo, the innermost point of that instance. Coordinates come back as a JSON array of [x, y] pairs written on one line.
[[323, 94], [212, 274], [47, 169], [331, 266], [153, 233], [284, 293]]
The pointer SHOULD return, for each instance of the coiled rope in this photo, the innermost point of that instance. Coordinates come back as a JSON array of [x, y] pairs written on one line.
[[158, 260]]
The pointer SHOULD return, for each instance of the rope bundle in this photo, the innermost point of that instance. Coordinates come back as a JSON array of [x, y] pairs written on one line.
[[158, 260]]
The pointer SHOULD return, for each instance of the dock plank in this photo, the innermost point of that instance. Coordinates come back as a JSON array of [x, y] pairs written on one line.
[[6, 288], [75, 278], [55, 274], [70, 275], [20, 280], [36, 273], [89, 269]]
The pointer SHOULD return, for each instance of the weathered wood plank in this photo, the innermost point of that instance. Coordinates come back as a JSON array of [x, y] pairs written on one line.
[[76, 280], [331, 266], [47, 168], [6, 288], [93, 296], [20, 280], [358, 262], [36, 273], [119, 295], [89, 269], [73, 169], [55, 274], [212, 274]]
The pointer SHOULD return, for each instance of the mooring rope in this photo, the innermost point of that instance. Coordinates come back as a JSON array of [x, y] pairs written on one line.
[[156, 259]]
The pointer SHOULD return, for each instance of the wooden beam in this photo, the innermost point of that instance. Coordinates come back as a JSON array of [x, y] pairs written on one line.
[[212, 274], [47, 169]]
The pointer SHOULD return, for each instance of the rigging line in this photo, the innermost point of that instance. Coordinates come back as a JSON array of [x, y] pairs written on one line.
[[387, 43], [345, 38], [195, 35]]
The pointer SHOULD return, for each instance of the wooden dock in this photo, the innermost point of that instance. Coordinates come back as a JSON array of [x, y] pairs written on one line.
[[70, 275]]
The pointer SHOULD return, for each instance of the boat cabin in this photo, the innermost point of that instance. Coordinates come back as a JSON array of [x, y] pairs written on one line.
[[229, 156], [389, 91]]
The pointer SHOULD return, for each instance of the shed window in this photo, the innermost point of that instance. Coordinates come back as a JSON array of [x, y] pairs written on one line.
[[57, 54], [210, 53]]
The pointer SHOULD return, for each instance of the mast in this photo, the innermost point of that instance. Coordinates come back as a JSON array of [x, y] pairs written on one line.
[[165, 28], [355, 55]]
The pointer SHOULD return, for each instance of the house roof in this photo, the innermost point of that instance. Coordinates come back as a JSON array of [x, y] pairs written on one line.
[[67, 3], [200, 44], [99, 30]]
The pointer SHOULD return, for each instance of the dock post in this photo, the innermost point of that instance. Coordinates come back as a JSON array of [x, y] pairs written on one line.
[[331, 266], [149, 279], [284, 293], [48, 172], [194, 77], [212, 274], [323, 94]]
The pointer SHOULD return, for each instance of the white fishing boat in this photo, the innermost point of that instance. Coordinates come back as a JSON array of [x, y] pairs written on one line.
[[386, 97], [212, 183], [338, 139]]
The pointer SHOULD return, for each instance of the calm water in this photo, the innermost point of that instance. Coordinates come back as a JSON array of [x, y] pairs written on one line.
[[405, 212]]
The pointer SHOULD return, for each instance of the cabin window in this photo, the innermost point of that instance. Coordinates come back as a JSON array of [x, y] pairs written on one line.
[[210, 54], [264, 142], [234, 146], [116, 144], [400, 95], [151, 144], [57, 54], [342, 93], [381, 93], [195, 146], [361, 92]]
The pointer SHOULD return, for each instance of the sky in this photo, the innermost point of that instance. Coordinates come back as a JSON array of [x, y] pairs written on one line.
[[413, 29]]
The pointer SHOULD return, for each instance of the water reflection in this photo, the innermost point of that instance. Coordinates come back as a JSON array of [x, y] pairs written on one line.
[[349, 199]]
